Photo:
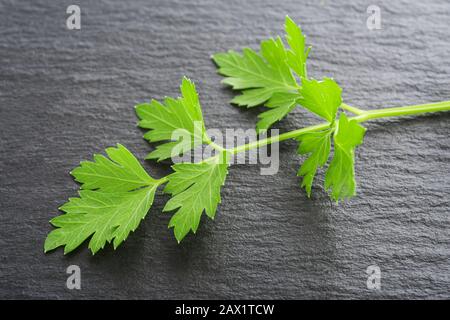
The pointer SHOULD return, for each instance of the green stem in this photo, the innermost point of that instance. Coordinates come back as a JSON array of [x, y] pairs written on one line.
[[354, 110], [404, 111], [162, 180], [361, 117], [278, 138], [207, 140]]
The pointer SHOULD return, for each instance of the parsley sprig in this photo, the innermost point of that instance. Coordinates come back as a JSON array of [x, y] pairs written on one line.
[[116, 193]]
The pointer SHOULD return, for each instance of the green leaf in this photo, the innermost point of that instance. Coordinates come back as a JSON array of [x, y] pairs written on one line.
[[321, 97], [297, 55], [259, 75], [178, 122], [340, 176], [280, 105], [121, 172], [117, 195], [195, 187], [317, 145]]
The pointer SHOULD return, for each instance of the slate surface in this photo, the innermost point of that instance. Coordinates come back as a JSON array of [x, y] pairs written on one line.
[[65, 95]]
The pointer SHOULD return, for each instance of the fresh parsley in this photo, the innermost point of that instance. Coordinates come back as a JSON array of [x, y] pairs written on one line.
[[163, 119], [267, 77], [195, 187], [117, 193]]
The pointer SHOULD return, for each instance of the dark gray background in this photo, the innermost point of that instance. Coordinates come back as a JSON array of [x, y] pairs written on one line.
[[65, 95]]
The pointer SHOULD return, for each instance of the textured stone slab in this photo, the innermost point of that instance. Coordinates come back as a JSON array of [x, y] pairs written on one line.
[[65, 95]]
